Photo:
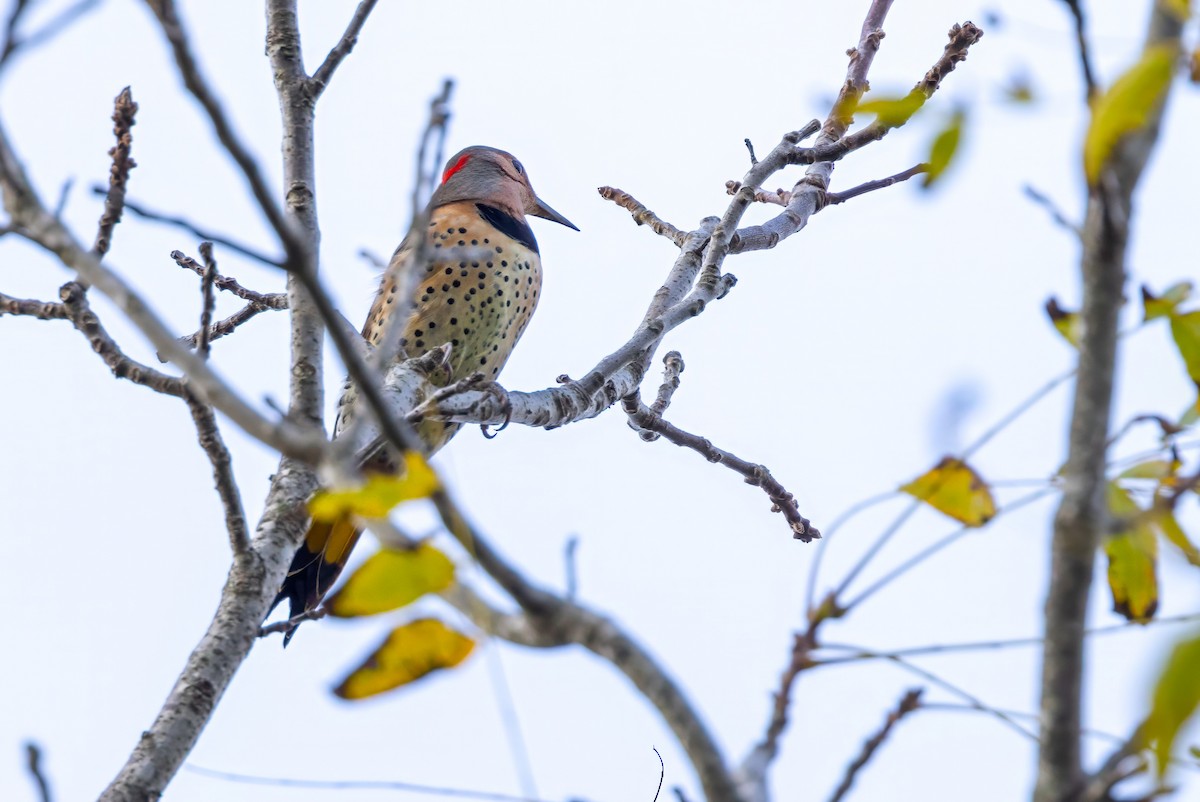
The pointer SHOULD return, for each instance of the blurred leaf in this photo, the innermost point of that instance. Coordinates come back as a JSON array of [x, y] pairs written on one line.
[[1173, 533], [1194, 67], [380, 493], [1181, 9], [953, 488], [1126, 106], [892, 111], [392, 578], [1164, 305], [1132, 558], [1068, 324], [1185, 330], [410, 652], [1151, 469], [1176, 697], [943, 148], [1019, 90], [1192, 413]]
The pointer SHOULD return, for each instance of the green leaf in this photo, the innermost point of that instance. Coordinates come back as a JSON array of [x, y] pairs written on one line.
[[892, 111], [1132, 558], [1164, 305], [1176, 697], [1180, 9], [379, 494], [1068, 324], [390, 579], [952, 487], [409, 653], [943, 148], [1126, 106], [1185, 330]]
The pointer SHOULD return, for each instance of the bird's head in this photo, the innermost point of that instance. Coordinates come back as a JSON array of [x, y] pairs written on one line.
[[492, 176]]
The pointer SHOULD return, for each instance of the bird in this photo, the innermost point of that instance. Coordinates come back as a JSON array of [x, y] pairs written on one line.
[[476, 294]]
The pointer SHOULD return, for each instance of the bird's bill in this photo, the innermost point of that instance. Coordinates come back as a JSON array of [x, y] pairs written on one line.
[[542, 209]]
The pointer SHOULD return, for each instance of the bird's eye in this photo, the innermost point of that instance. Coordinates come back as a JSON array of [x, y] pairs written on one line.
[[517, 166]]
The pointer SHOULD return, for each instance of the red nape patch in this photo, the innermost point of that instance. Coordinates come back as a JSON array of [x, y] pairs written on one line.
[[452, 170]]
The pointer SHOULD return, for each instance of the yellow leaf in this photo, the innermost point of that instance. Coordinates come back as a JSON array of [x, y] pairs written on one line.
[[1164, 305], [1126, 106], [392, 578], [410, 652], [1173, 533], [1068, 324], [953, 488], [943, 148], [380, 493], [1185, 330], [893, 111], [1176, 697], [1132, 559]]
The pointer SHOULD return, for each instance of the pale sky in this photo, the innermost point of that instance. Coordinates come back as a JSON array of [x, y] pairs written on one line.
[[834, 362]]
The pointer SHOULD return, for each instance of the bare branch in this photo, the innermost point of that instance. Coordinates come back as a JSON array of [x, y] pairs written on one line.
[[910, 702], [320, 79], [192, 228], [672, 367], [222, 464], [782, 501], [556, 621], [1085, 60], [230, 324], [124, 111], [642, 215], [197, 84], [834, 144], [1055, 213], [275, 300], [14, 42], [208, 299], [834, 198], [42, 310]]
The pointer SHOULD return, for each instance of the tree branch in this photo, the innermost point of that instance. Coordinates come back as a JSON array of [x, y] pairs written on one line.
[[1083, 514], [320, 79], [187, 225], [33, 764], [124, 111], [1085, 60], [910, 702], [646, 419], [197, 84]]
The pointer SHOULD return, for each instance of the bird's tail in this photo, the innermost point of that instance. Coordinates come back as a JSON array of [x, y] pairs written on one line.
[[318, 561]]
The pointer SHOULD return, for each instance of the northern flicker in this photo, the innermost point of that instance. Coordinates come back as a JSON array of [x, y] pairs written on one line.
[[477, 294]]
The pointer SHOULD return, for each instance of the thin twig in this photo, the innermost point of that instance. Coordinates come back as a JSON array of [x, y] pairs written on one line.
[[643, 216], [275, 300], [834, 198], [197, 84], [33, 764], [979, 646], [13, 42], [356, 785], [320, 79], [208, 298], [315, 614], [1085, 60], [226, 485], [672, 367], [230, 324], [194, 229], [123, 117], [910, 702], [1055, 213], [782, 501]]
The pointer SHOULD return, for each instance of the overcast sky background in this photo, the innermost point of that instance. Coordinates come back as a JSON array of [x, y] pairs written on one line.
[[848, 360]]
